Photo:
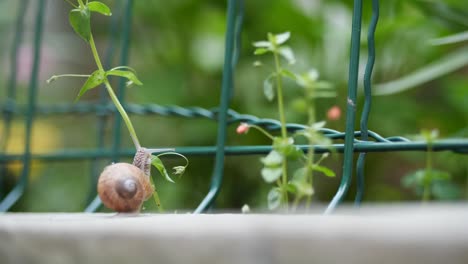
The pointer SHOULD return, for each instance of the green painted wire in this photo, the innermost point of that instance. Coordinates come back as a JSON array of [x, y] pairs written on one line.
[[125, 38], [368, 100], [93, 201], [227, 85], [351, 108], [18, 190], [457, 145], [238, 42], [11, 87]]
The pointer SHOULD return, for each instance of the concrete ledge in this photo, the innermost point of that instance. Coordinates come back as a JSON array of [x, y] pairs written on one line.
[[384, 234]]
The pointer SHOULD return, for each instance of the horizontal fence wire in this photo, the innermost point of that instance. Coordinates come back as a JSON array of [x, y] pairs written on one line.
[[212, 114], [378, 143]]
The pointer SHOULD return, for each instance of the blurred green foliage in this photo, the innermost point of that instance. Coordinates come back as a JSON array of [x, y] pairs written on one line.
[[177, 49]]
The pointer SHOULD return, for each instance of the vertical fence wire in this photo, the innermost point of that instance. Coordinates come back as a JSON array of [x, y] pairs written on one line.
[[367, 102], [10, 103], [18, 190], [126, 28], [93, 200], [351, 108], [238, 40], [124, 57], [227, 84]]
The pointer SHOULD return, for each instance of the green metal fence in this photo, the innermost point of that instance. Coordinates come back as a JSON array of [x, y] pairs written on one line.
[[362, 141]]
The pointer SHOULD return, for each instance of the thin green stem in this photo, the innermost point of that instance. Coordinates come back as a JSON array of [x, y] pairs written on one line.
[[310, 154], [156, 197], [310, 173], [279, 86], [80, 2], [296, 201], [114, 98], [428, 173], [270, 136], [176, 154], [95, 52], [55, 77], [124, 115], [284, 135], [71, 3]]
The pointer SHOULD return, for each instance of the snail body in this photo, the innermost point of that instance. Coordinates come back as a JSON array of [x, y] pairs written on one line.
[[123, 187]]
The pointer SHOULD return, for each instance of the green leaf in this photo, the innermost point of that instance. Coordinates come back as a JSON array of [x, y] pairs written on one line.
[[272, 166], [308, 79], [96, 78], [272, 160], [303, 188], [158, 164], [179, 170], [80, 20], [324, 170], [299, 105], [268, 89], [126, 74], [438, 175], [289, 74], [257, 63], [323, 85], [451, 62], [274, 198], [300, 175], [300, 182], [260, 51], [287, 148], [262, 44], [318, 125], [288, 54], [271, 174], [430, 135], [291, 188], [315, 137], [445, 190], [99, 7], [312, 75], [452, 39], [414, 179], [282, 37]]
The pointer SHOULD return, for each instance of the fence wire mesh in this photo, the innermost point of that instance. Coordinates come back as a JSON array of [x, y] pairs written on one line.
[[362, 141]]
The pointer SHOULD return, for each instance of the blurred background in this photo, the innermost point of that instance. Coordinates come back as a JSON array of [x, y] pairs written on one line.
[[177, 50]]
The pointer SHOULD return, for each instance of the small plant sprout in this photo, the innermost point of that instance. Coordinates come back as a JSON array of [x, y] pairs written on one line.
[[275, 164], [245, 209], [80, 20], [429, 183]]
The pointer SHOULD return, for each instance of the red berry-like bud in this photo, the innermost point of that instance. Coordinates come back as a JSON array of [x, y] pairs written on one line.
[[243, 128], [334, 113]]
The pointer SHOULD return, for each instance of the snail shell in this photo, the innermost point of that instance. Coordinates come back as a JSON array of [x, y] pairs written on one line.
[[123, 187]]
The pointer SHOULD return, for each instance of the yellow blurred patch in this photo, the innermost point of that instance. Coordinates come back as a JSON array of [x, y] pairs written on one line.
[[45, 138]]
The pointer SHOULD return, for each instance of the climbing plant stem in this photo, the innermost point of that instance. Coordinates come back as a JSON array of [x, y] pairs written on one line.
[[113, 97], [284, 135], [95, 53], [310, 154], [124, 115], [428, 173], [156, 198]]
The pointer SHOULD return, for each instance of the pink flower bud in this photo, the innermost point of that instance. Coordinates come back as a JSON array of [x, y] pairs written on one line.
[[334, 113], [243, 128]]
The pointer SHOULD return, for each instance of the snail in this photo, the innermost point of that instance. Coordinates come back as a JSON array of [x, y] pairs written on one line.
[[123, 187]]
